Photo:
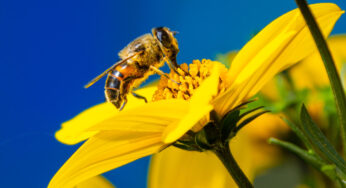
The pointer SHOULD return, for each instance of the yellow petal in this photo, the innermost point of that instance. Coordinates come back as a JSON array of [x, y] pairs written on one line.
[[237, 92], [337, 44], [75, 130], [291, 21], [282, 43], [338, 47], [129, 135], [103, 152], [97, 181], [151, 117], [176, 168], [198, 108], [310, 73]]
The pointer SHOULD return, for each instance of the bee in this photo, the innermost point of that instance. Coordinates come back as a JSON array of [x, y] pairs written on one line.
[[139, 59]]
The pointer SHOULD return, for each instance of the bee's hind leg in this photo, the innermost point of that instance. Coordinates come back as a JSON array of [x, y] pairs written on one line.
[[139, 97], [123, 105]]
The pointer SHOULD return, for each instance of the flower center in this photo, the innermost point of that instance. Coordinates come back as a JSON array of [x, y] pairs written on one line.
[[190, 78]]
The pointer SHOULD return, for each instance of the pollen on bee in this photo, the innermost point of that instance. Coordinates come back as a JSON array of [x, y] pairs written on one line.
[[190, 76]]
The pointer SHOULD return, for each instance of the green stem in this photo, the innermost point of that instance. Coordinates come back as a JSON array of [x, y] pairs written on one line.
[[224, 154], [335, 81], [316, 162]]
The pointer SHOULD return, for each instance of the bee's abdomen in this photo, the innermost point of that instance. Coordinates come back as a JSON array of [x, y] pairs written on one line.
[[114, 79], [112, 87], [113, 96]]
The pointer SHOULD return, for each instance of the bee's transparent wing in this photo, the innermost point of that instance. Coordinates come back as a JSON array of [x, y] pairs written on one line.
[[97, 78]]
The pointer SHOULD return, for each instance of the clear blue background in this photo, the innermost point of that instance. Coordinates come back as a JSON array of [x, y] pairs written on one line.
[[50, 49]]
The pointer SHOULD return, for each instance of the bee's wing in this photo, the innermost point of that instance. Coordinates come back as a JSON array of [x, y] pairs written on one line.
[[97, 78]]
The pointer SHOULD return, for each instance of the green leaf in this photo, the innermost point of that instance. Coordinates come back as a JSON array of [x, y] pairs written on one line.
[[329, 170], [319, 141], [228, 124], [242, 105], [299, 133], [186, 146], [250, 111]]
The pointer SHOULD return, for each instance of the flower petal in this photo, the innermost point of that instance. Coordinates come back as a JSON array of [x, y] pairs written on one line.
[[97, 181], [237, 92], [75, 130], [293, 21], [337, 44], [198, 108], [152, 117], [259, 61], [127, 136], [310, 73], [105, 151], [338, 47], [174, 167]]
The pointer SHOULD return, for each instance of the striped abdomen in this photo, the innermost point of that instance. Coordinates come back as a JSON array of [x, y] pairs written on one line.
[[112, 87]]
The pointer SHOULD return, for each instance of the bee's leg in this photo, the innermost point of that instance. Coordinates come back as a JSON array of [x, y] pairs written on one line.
[[173, 65], [159, 72], [140, 97], [123, 105]]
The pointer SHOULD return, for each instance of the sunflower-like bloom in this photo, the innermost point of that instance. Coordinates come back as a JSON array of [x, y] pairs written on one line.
[[117, 138]]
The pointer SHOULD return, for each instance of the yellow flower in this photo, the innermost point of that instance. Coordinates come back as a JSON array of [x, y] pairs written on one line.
[[174, 167], [116, 138], [97, 181]]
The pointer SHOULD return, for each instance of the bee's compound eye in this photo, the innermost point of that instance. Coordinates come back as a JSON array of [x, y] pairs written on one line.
[[163, 37]]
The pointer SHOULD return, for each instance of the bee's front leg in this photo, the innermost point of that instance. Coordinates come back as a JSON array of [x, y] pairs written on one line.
[[161, 73], [173, 65]]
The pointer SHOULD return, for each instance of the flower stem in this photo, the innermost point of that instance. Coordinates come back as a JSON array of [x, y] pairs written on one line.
[[335, 81], [309, 157], [224, 154]]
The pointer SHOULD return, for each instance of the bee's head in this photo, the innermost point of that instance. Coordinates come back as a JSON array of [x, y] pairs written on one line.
[[167, 41]]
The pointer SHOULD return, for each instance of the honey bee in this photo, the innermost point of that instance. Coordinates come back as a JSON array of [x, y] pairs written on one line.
[[139, 59]]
